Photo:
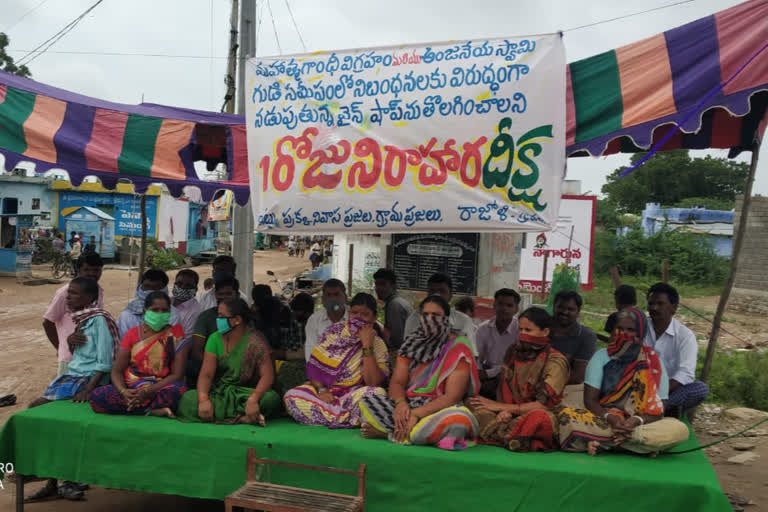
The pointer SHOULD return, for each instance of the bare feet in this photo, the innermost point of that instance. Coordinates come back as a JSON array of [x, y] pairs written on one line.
[[164, 412], [368, 432], [592, 447], [260, 421]]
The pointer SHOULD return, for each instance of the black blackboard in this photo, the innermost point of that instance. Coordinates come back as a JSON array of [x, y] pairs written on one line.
[[418, 256]]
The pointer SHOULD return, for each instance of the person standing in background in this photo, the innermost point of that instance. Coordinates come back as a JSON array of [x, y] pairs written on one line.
[[396, 308], [75, 253]]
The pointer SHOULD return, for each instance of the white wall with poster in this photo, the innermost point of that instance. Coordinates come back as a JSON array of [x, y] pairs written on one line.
[[577, 214]]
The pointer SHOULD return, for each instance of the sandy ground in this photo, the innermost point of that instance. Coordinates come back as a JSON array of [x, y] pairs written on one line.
[[28, 364]]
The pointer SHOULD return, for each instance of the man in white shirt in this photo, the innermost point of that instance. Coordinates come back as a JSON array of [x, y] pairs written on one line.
[[334, 310], [441, 284], [677, 348], [223, 266], [183, 294], [494, 337]]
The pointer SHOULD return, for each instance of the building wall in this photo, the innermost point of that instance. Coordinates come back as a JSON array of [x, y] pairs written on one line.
[[498, 260], [27, 189], [750, 292], [369, 254], [172, 211]]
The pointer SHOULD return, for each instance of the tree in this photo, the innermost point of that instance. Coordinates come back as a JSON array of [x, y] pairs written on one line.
[[670, 177], [6, 61]]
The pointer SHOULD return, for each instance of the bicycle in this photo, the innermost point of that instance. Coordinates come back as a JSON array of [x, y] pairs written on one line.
[[62, 265]]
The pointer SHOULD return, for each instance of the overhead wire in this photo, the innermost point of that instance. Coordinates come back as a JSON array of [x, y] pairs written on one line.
[[26, 59], [296, 26], [274, 27], [24, 16], [210, 61], [125, 54], [659, 8]]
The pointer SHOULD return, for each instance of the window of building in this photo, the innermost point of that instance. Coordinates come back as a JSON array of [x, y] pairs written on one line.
[[35, 203]]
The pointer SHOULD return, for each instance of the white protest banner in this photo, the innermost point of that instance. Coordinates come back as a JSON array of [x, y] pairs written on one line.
[[577, 214], [465, 136]]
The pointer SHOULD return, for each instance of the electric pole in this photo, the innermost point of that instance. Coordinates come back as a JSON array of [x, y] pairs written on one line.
[[242, 216]]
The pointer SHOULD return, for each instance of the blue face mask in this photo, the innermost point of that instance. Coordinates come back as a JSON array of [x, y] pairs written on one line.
[[222, 325]]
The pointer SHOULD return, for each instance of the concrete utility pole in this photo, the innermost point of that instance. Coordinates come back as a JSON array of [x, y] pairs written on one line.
[[242, 216], [229, 106]]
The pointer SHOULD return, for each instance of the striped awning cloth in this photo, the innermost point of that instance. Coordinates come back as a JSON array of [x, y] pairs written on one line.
[[145, 144], [627, 99]]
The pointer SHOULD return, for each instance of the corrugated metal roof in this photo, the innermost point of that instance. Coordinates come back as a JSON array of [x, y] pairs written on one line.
[[90, 209]]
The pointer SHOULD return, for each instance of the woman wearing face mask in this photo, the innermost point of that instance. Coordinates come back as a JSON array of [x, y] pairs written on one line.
[[148, 372], [624, 392], [235, 382], [532, 383], [435, 372], [133, 315], [349, 363]]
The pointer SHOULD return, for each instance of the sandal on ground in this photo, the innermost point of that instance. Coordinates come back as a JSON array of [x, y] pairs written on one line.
[[69, 491], [46, 492], [7, 400]]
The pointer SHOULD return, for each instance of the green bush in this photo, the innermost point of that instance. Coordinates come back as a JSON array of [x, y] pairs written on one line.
[[738, 378], [161, 258], [691, 258]]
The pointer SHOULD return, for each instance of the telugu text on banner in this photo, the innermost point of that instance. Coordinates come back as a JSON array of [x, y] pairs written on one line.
[[438, 137]]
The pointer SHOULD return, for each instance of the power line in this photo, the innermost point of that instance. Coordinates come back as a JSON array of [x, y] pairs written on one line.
[[627, 16], [259, 21], [274, 27], [57, 36], [126, 54], [24, 16], [298, 32]]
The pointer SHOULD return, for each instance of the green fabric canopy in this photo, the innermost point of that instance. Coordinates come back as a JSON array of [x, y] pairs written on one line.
[[158, 455]]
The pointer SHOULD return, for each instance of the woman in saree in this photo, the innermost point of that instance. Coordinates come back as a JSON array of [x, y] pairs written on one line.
[[235, 382], [350, 362], [434, 373], [532, 383], [624, 392], [148, 372]]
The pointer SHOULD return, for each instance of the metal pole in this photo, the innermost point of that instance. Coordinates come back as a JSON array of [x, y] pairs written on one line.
[[242, 216], [19, 493], [737, 243], [350, 266], [143, 248], [544, 276]]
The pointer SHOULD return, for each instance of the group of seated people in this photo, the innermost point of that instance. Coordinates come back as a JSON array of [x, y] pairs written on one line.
[[426, 377]]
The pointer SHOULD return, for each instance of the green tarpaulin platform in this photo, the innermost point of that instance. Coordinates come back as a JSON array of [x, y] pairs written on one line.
[[159, 455]]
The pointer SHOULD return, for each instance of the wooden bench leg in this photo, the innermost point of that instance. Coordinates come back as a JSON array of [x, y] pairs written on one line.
[[19, 493]]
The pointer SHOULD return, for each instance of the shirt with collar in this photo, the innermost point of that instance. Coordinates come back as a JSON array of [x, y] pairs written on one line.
[[459, 322], [208, 299], [493, 345], [678, 350], [61, 316], [187, 313], [316, 326]]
